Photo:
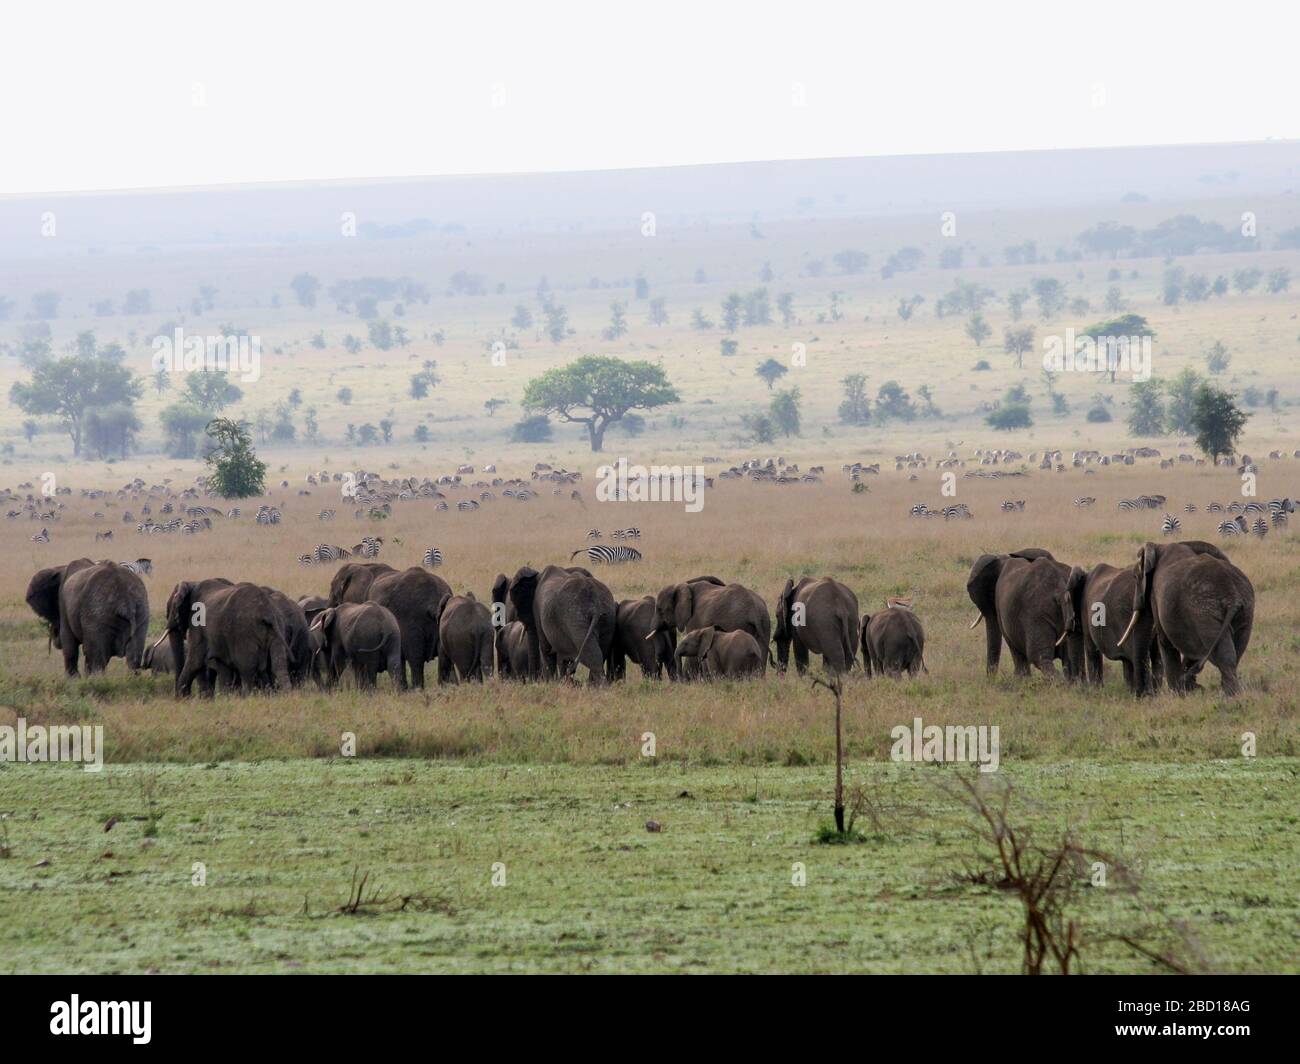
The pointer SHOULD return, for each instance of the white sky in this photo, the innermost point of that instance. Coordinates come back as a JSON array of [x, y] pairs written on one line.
[[103, 95]]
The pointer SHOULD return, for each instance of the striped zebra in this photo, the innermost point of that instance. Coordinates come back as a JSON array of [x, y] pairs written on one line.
[[305, 559], [433, 557], [327, 515], [1190, 508], [1084, 501], [594, 533], [1260, 527], [141, 566], [1235, 527], [1011, 505], [1214, 508], [324, 552], [960, 510], [43, 536], [603, 555], [1281, 506], [1129, 504], [368, 547], [1170, 525], [628, 533], [1255, 508], [468, 504]]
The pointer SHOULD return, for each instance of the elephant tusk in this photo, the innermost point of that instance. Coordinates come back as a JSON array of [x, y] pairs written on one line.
[[1131, 622], [976, 621], [1063, 635], [652, 635], [160, 639]]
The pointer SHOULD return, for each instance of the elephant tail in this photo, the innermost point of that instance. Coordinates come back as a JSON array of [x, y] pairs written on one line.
[[590, 628], [1194, 666], [371, 650]]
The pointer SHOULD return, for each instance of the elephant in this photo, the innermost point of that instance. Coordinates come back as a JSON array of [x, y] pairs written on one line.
[[707, 602], [99, 607], [312, 605], [1027, 598], [638, 636], [1104, 605], [363, 635], [708, 653], [569, 617], [296, 640], [1202, 608], [415, 597], [465, 640], [817, 616], [351, 583], [241, 639], [511, 637], [158, 658], [893, 642], [180, 616]]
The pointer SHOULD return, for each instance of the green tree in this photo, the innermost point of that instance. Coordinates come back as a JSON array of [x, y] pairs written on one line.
[[732, 307], [1217, 421], [598, 390], [211, 390], [67, 388], [771, 371], [557, 321], [893, 402], [111, 430], [856, 407], [759, 426], [1180, 412], [978, 329], [183, 424], [344, 395], [305, 287], [617, 326], [1146, 415], [535, 428], [1217, 358], [784, 411], [523, 317], [1017, 341], [381, 334], [235, 472]]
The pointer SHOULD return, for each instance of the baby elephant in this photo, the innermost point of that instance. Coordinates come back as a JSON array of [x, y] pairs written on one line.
[[363, 635], [465, 640], [893, 642], [710, 652]]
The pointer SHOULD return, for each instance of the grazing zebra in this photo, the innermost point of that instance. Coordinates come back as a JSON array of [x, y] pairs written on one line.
[[594, 533], [1279, 519], [1009, 505], [104, 535], [324, 552], [368, 547], [235, 511], [1260, 527], [1214, 508], [305, 559], [602, 555], [327, 515], [43, 536], [1190, 508], [1170, 525], [1084, 501], [1281, 506], [960, 510], [141, 566], [433, 557], [468, 504], [1235, 527]]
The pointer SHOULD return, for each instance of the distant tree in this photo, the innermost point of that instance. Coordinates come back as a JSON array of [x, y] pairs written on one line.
[[284, 430], [523, 317], [295, 397], [45, 305], [1181, 410], [732, 307], [367, 434], [137, 301], [928, 408], [1217, 358], [1017, 341], [641, 288], [1146, 409], [855, 409], [557, 321], [893, 403], [1010, 416], [68, 388], [1016, 301], [305, 287], [700, 321], [728, 347], [785, 307], [234, 469], [1114, 299], [318, 341], [757, 308], [492, 405], [617, 326], [1172, 286], [111, 430], [381, 335], [771, 371], [1050, 296], [421, 434], [535, 428], [352, 344], [1217, 421], [386, 426], [344, 395], [211, 390], [309, 423], [419, 386], [658, 311], [1107, 238], [162, 380], [784, 411], [182, 424], [30, 428], [1279, 280], [597, 390], [906, 305], [759, 426], [1247, 280], [850, 262], [978, 329], [765, 274]]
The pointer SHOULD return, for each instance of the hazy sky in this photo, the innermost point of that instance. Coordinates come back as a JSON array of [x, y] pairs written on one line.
[[142, 94]]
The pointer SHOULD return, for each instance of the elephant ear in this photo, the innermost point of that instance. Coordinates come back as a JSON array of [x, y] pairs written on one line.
[[1145, 570], [500, 588], [683, 605], [1199, 546], [783, 610], [1074, 595], [1032, 554], [707, 635], [523, 589], [982, 583], [43, 594], [325, 619], [435, 611], [178, 606]]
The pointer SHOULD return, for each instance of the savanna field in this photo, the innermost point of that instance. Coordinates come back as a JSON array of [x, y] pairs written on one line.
[[645, 826]]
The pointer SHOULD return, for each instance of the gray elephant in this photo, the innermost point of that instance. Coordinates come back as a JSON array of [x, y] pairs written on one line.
[[710, 653], [241, 640], [893, 642], [569, 618], [296, 640], [311, 606], [637, 635], [415, 597], [1202, 608], [1104, 605], [179, 618], [511, 637], [363, 635], [819, 617], [707, 602], [352, 580], [465, 640], [1027, 598], [158, 659], [98, 607]]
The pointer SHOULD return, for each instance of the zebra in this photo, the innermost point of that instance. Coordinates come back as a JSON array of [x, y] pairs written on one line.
[[628, 533], [433, 557], [104, 535], [368, 547], [467, 504], [1214, 508], [305, 559], [327, 515], [1281, 506], [1010, 505], [1170, 525], [1190, 508], [603, 555], [1235, 527], [1260, 527], [141, 566], [594, 533], [324, 552], [43, 536], [1084, 501], [960, 510]]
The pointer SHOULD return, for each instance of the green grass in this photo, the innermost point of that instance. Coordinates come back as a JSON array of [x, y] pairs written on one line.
[[589, 888]]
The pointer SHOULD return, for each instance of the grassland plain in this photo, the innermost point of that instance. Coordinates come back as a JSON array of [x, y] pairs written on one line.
[[581, 885]]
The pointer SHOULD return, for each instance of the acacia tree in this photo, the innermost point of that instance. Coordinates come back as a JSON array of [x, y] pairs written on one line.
[[69, 388], [598, 390], [236, 471], [1217, 420]]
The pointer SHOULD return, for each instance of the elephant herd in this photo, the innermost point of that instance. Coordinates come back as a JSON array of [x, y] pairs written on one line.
[[1181, 605]]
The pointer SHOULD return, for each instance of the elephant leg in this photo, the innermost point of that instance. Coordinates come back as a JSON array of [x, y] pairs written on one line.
[[1019, 661], [993, 645], [1224, 658], [397, 668], [71, 652], [1130, 675], [195, 662], [1155, 673], [446, 671], [800, 657], [1093, 663], [1172, 664], [417, 670]]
